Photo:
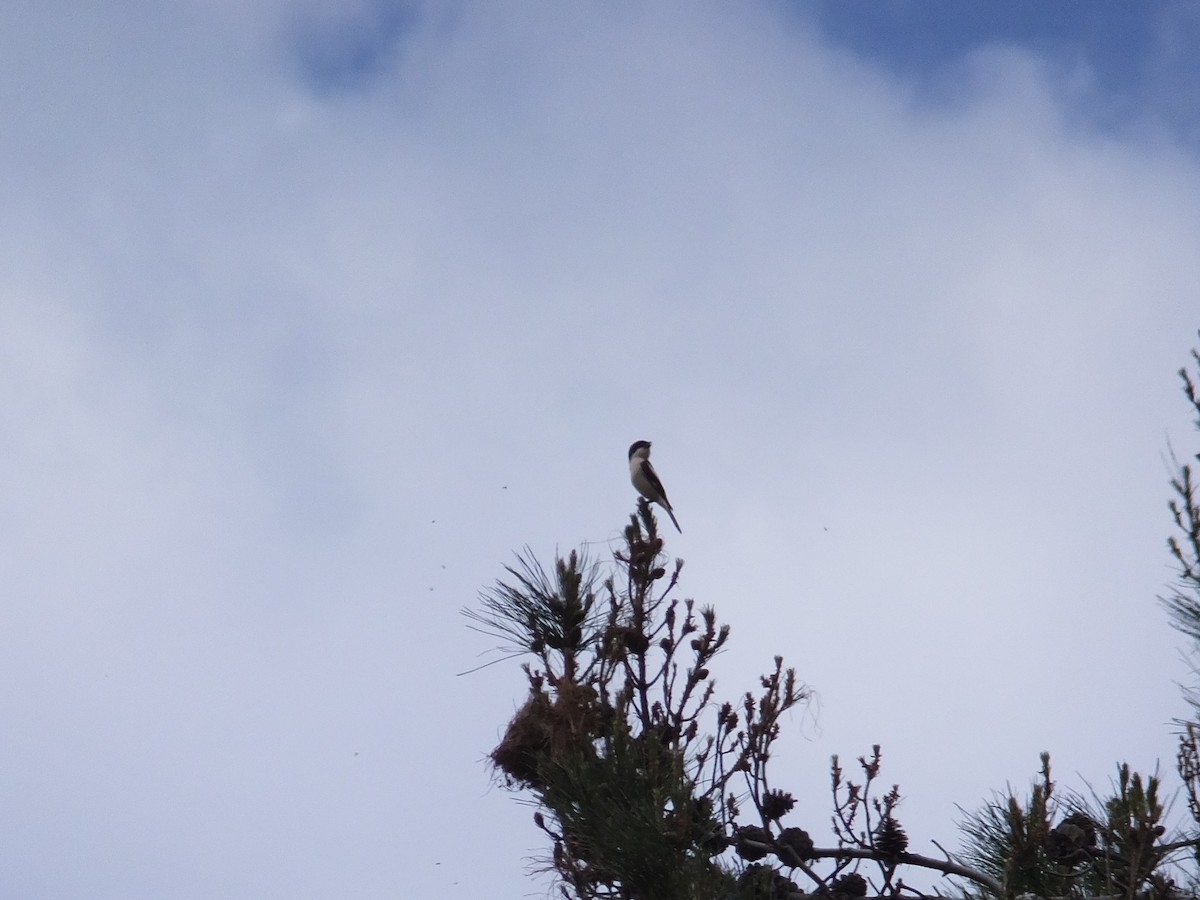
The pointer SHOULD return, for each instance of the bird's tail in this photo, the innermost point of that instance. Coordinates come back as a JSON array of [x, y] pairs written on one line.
[[674, 521]]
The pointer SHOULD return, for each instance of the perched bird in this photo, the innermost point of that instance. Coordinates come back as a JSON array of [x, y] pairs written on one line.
[[645, 479]]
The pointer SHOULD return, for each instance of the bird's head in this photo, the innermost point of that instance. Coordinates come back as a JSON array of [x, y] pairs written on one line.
[[639, 448]]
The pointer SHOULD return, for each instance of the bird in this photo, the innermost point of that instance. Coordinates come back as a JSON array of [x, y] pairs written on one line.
[[646, 480]]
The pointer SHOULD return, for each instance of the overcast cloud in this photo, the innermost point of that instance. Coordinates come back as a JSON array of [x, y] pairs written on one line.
[[309, 319]]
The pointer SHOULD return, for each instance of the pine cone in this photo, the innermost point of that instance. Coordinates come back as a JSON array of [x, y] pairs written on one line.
[[798, 841], [890, 838], [1070, 841], [757, 881], [1084, 821], [784, 887], [852, 885], [752, 842], [776, 804], [636, 641]]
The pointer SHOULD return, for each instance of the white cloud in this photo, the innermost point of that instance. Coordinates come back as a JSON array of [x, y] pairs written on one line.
[[277, 355]]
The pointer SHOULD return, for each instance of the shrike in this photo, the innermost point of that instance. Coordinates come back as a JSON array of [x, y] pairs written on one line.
[[645, 479]]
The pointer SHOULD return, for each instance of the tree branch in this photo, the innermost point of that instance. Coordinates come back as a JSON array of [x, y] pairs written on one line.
[[946, 867]]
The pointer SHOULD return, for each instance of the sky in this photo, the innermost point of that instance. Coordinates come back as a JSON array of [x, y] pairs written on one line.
[[313, 315]]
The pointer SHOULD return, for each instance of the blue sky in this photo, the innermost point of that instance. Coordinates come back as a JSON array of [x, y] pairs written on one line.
[[311, 317], [1137, 60], [1117, 40]]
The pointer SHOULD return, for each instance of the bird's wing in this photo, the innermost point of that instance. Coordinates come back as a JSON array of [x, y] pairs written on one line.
[[652, 477]]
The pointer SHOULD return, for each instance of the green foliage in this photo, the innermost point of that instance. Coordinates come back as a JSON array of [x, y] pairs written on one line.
[[1046, 847], [627, 816], [1006, 839]]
